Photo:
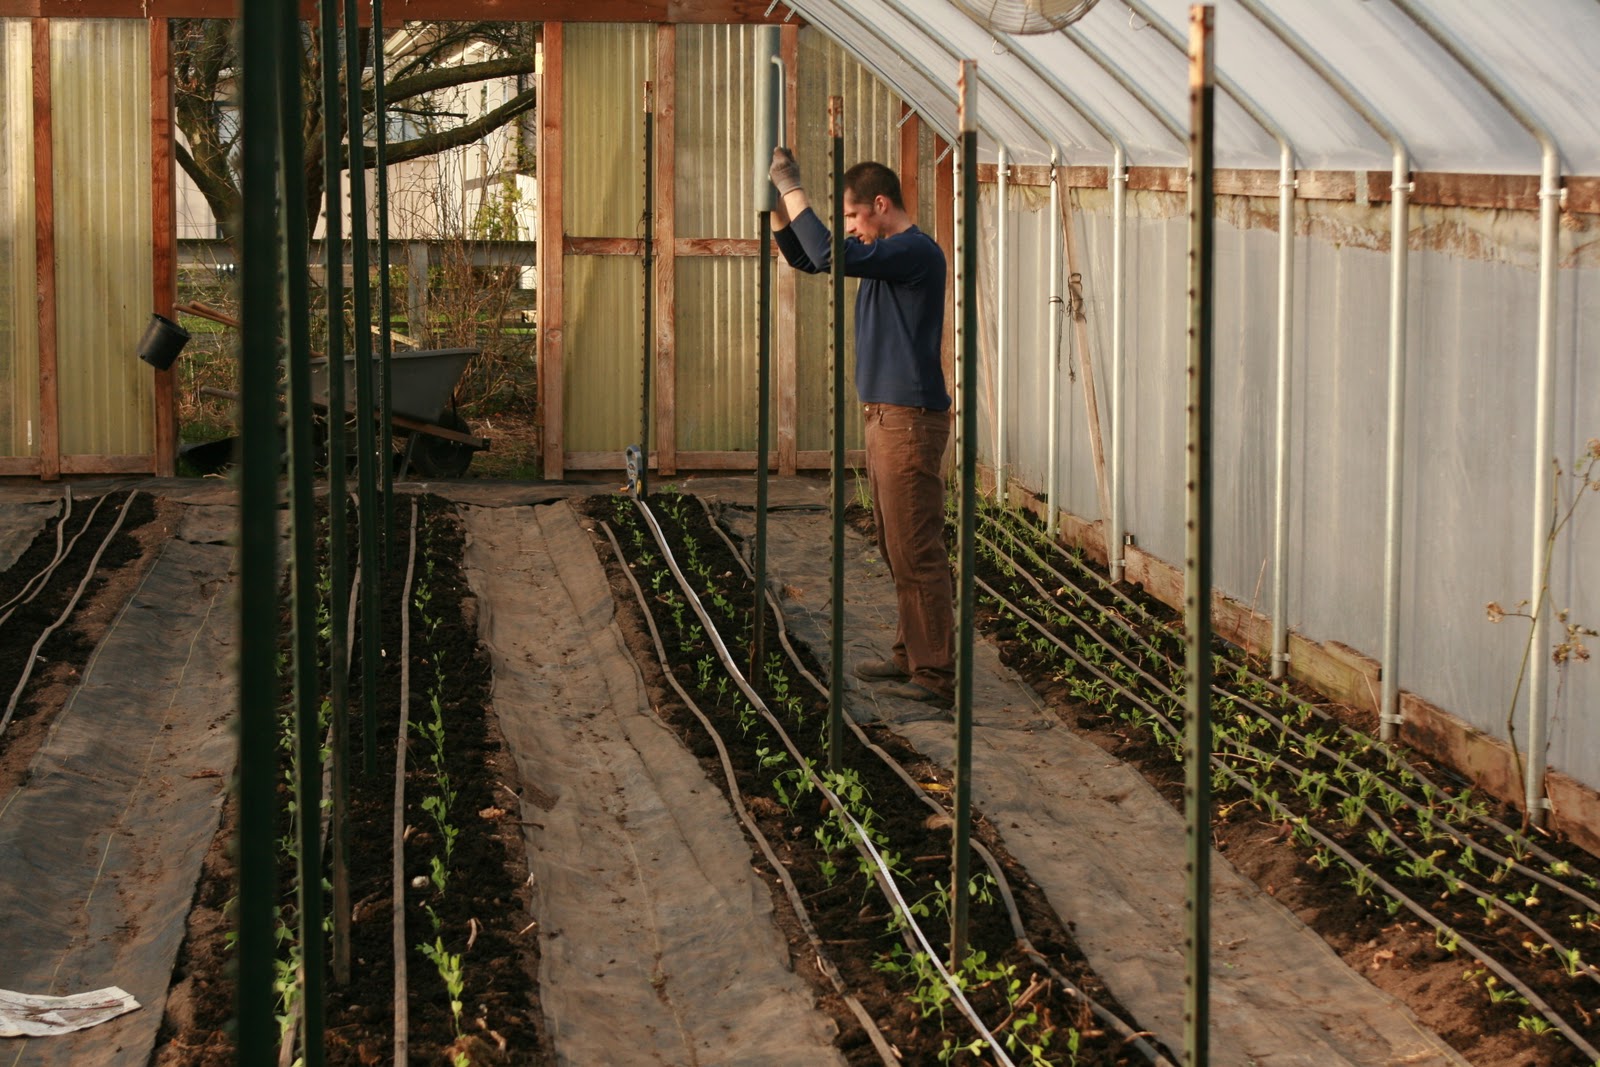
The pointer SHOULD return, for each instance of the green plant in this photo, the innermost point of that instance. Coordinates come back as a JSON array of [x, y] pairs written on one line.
[[449, 966]]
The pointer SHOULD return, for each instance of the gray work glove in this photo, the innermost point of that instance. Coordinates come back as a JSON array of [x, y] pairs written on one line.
[[785, 172]]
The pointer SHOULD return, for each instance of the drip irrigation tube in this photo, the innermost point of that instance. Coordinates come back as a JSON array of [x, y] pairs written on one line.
[[28, 590], [33, 655], [1272, 685], [882, 874], [796, 901], [1002, 883], [397, 841], [1219, 761]]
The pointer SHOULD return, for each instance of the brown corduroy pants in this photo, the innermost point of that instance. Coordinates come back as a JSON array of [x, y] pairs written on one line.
[[905, 447]]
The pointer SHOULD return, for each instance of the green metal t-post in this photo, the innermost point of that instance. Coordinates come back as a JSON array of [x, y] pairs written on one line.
[[836, 439], [260, 252], [649, 290], [386, 392], [366, 443], [303, 554], [967, 413], [768, 75], [1197, 544], [339, 577]]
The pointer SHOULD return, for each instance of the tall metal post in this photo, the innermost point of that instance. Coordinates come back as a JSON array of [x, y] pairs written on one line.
[[645, 394], [1197, 544], [366, 443], [768, 75], [339, 577], [967, 420], [836, 443], [261, 251], [303, 553], [385, 341]]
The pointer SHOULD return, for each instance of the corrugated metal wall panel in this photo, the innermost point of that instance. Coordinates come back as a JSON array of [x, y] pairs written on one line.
[[717, 386], [100, 90], [605, 303], [19, 315], [871, 115], [605, 68], [716, 131]]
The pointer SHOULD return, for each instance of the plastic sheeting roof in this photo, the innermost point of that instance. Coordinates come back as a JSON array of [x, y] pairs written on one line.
[[1115, 73]]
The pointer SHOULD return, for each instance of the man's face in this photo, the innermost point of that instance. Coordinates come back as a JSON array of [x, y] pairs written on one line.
[[864, 219]]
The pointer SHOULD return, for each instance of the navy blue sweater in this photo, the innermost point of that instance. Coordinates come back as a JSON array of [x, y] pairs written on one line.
[[899, 308]]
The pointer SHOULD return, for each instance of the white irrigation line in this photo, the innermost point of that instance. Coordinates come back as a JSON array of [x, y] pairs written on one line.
[[884, 875]]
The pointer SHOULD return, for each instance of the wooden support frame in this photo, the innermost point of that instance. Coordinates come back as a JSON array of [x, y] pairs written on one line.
[[45, 243], [665, 377], [551, 270], [164, 229], [910, 176]]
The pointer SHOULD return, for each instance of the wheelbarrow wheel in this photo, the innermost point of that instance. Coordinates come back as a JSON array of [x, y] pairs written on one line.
[[435, 457]]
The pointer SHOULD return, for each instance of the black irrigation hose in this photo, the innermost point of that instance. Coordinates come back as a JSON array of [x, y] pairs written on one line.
[[1395, 758], [1311, 745], [1104, 1014], [402, 1018], [30, 590], [1533, 999], [863, 843], [824, 963], [33, 656]]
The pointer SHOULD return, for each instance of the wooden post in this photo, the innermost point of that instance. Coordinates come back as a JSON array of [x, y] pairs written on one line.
[[910, 180], [552, 404], [666, 265], [163, 230], [45, 242], [784, 342]]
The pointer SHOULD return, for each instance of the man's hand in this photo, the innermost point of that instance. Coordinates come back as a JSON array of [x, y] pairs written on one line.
[[785, 172]]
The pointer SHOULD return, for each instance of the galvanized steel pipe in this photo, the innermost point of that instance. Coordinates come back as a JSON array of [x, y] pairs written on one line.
[[1550, 195]]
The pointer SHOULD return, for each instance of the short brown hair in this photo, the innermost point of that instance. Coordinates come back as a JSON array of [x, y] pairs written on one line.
[[865, 182]]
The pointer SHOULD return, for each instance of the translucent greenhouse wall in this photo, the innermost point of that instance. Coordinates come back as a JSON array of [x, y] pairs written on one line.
[[100, 95], [1469, 455], [19, 314]]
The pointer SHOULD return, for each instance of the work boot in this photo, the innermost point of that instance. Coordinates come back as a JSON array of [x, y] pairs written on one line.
[[915, 691], [881, 670]]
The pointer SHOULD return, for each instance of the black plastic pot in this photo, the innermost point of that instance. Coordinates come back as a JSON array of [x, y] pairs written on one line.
[[163, 340]]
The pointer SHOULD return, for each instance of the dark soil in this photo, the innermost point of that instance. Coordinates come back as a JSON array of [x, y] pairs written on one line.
[[482, 916], [849, 913], [1397, 951], [39, 606]]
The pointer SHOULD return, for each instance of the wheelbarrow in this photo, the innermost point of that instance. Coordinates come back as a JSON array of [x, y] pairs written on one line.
[[422, 382]]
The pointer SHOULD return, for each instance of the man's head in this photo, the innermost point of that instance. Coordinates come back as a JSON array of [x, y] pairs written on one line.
[[872, 205]]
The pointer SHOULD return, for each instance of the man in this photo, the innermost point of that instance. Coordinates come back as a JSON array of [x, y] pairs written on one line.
[[899, 378]]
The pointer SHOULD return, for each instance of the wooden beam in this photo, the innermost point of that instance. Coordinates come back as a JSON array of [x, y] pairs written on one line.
[[106, 465], [19, 466], [552, 380], [720, 246], [164, 232], [784, 344], [602, 246], [44, 212], [659, 11], [665, 378], [910, 129], [807, 459]]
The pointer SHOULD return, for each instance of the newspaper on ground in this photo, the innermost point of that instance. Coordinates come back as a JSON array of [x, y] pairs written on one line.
[[25, 1015]]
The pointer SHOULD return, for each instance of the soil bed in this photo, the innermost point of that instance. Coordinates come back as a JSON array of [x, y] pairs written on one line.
[[1316, 779], [482, 915], [851, 916]]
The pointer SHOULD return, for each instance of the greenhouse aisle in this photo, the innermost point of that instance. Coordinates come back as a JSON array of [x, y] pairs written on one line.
[[1106, 848], [101, 846], [657, 941]]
